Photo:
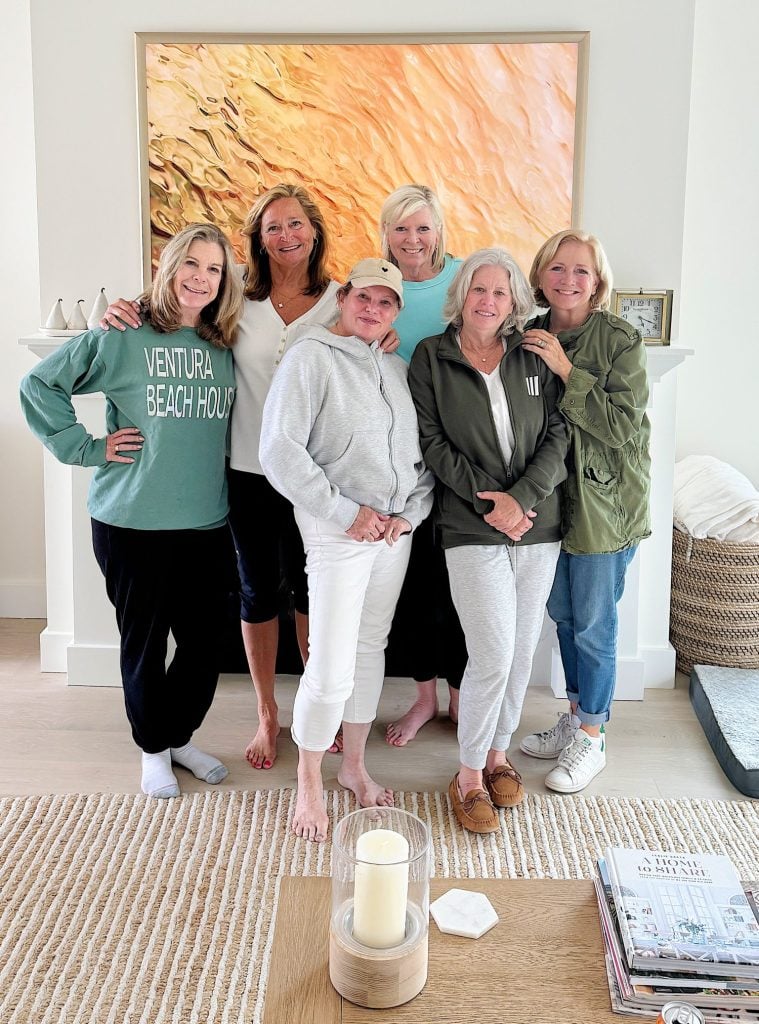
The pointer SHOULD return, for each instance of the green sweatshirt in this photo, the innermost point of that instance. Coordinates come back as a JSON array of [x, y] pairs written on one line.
[[176, 389]]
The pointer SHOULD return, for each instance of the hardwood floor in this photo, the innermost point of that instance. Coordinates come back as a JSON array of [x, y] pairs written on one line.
[[60, 739]]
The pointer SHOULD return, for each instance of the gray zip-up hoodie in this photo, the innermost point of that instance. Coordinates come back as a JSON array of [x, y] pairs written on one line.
[[340, 431]]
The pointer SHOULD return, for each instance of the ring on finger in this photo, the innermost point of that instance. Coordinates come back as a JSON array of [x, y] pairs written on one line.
[[115, 447]]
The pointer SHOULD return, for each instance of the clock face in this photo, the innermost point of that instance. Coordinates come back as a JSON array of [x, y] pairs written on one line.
[[643, 312]]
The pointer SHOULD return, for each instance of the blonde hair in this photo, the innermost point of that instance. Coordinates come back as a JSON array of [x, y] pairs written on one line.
[[547, 252], [258, 273], [402, 203], [160, 306], [462, 282]]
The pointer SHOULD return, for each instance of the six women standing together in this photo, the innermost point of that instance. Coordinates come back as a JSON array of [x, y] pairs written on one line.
[[535, 434]]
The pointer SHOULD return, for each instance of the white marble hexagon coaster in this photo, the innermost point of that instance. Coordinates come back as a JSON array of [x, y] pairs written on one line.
[[460, 912]]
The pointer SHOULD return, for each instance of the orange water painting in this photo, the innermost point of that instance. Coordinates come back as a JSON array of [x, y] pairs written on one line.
[[491, 127]]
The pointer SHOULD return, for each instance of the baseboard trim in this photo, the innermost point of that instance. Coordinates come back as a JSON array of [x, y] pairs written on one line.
[[53, 648], [23, 601], [93, 665]]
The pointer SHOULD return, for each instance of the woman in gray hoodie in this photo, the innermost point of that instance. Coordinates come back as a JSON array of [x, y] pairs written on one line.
[[340, 441]]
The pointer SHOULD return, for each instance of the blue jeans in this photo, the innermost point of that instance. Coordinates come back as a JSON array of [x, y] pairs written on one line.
[[583, 604]]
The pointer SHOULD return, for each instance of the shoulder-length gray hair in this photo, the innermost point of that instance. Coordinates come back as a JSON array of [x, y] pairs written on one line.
[[601, 297], [462, 282], [402, 203], [219, 319]]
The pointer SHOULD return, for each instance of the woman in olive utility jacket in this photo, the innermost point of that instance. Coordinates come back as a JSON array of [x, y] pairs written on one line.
[[601, 361]]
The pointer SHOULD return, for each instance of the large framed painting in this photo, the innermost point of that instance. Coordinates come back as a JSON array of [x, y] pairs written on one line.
[[494, 124]]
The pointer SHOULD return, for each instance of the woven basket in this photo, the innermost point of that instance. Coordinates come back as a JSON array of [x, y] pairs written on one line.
[[714, 617]]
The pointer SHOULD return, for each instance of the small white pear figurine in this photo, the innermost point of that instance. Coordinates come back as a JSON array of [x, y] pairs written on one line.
[[77, 322], [101, 305], [56, 321]]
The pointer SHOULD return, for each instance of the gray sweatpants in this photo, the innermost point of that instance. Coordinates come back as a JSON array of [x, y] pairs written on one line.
[[500, 594]]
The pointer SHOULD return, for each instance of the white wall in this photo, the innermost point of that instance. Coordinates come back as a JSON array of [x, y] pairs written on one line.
[[22, 566], [636, 150], [718, 388]]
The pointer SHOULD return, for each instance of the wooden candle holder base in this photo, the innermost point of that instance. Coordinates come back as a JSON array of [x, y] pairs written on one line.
[[378, 978]]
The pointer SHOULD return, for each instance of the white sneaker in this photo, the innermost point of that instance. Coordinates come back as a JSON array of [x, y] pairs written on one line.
[[550, 743], [580, 762]]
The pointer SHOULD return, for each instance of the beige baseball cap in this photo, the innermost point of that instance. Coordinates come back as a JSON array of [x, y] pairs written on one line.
[[375, 271]]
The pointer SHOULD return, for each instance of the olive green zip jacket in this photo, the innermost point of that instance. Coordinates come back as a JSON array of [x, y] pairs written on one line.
[[605, 504], [460, 445]]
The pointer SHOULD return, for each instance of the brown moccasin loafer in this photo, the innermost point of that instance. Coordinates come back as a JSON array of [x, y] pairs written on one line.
[[475, 812], [504, 784]]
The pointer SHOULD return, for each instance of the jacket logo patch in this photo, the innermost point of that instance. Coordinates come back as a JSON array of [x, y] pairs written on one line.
[[533, 385]]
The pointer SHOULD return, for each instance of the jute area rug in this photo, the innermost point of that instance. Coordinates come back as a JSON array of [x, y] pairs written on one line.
[[124, 910]]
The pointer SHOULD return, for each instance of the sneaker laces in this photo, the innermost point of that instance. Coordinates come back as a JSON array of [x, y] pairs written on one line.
[[562, 730], [575, 753]]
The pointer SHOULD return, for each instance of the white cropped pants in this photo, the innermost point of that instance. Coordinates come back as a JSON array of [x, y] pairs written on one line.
[[353, 588], [500, 594]]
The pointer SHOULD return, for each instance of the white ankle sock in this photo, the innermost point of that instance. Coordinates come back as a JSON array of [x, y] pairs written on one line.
[[203, 766], [575, 719], [158, 779]]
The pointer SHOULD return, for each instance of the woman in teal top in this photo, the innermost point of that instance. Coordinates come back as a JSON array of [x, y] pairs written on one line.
[[158, 497], [413, 237]]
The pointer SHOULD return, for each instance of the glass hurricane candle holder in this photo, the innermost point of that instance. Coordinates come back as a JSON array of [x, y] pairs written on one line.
[[379, 927]]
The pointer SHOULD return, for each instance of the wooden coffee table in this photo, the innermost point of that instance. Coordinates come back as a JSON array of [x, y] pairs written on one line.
[[541, 964]]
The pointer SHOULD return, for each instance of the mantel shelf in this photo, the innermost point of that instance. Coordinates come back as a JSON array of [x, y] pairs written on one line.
[[661, 358]]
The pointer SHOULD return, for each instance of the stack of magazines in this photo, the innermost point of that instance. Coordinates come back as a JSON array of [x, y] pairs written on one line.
[[679, 926]]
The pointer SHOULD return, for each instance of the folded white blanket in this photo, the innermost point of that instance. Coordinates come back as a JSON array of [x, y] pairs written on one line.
[[713, 499]]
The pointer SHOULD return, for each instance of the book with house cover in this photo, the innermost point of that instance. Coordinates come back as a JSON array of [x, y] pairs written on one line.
[[683, 911], [663, 974]]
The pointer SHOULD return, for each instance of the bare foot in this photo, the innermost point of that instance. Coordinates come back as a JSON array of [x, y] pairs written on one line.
[[336, 747], [453, 704], [310, 820], [261, 752], [366, 790], [399, 733]]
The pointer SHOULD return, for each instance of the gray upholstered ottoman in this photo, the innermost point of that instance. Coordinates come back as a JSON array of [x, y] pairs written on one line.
[[726, 702]]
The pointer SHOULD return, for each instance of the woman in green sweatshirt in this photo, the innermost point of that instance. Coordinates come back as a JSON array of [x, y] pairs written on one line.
[[158, 496]]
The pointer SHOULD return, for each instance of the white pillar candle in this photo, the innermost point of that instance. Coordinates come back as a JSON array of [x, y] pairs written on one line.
[[381, 888]]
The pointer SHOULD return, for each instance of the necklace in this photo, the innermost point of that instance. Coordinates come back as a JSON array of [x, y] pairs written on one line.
[[284, 302], [496, 349]]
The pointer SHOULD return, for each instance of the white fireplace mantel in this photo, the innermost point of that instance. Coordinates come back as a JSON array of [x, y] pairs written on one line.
[[81, 636]]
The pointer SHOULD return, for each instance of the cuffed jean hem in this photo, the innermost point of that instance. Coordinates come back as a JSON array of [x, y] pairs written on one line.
[[599, 719]]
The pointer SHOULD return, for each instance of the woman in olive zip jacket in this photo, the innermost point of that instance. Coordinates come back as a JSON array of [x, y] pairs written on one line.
[[492, 434]]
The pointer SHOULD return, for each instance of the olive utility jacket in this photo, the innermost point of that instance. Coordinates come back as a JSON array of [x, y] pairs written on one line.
[[606, 494]]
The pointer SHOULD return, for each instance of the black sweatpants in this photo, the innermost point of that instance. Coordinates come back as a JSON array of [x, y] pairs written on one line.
[[163, 581]]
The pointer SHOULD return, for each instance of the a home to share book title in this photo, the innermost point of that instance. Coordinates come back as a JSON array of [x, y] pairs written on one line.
[[673, 866]]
